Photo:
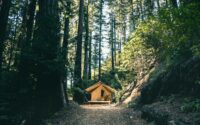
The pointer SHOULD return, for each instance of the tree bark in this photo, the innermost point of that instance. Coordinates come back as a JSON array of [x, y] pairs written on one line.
[[95, 58], [65, 50], [27, 31], [45, 66], [30, 21], [78, 60], [114, 41], [100, 37], [141, 10], [132, 17], [90, 57], [85, 71], [112, 44]]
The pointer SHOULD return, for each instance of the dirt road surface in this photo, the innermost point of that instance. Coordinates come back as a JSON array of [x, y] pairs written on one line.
[[104, 115]]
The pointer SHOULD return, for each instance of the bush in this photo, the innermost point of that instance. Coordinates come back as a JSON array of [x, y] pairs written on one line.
[[193, 106], [79, 95]]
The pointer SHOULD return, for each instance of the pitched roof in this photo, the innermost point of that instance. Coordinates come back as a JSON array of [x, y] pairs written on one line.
[[93, 87]]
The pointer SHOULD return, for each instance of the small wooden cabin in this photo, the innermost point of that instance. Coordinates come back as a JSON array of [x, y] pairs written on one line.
[[101, 92]]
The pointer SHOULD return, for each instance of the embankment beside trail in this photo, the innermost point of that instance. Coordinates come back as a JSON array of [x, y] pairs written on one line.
[[163, 94]]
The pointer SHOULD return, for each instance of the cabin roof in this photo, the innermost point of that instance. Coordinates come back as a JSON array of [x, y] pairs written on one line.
[[93, 87]]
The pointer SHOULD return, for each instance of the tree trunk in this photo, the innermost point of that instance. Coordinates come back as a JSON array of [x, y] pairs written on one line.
[[26, 34], [78, 60], [72, 77], [11, 54], [25, 61], [124, 31], [30, 21], [85, 71], [112, 44], [174, 3], [65, 50], [120, 51], [114, 41], [132, 17], [90, 57], [100, 37], [4, 13], [158, 4], [46, 64], [95, 58], [141, 10]]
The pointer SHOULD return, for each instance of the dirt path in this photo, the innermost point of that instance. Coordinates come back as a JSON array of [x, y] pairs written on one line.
[[103, 115], [96, 115]]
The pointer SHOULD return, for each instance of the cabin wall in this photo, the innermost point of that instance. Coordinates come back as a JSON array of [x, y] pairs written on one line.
[[96, 94], [107, 95]]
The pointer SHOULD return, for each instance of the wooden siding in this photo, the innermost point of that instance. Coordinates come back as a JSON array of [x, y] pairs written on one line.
[[96, 94]]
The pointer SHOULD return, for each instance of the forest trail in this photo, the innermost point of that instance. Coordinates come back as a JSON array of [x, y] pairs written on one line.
[[74, 114], [103, 115]]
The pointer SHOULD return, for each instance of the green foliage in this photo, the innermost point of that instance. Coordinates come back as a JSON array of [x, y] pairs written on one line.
[[174, 35], [111, 78], [171, 37], [87, 83], [191, 106], [137, 56], [118, 96], [79, 95], [168, 38], [169, 99], [132, 104]]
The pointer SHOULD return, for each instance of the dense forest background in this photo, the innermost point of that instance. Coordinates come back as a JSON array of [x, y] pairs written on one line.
[[53, 49]]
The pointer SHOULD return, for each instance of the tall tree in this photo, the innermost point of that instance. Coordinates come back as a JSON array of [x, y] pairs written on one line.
[[65, 61], [26, 38], [30, 20], [90, 57], [112, 42], [100, 35], [95, 55], [85, 71], [46, 65], [78, 60], [4, 13]]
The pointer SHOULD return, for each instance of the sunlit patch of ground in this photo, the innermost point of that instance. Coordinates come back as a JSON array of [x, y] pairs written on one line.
[[101, 115]]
